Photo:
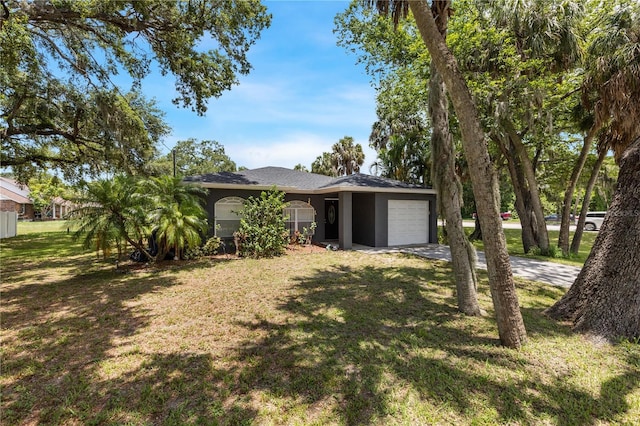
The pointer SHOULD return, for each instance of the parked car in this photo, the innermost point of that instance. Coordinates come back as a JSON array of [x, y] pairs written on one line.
[[594, 220], [503, 215], [556, 218]]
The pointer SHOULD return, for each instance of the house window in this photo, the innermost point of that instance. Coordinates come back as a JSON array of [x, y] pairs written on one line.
[[299, 215], [227, 212]]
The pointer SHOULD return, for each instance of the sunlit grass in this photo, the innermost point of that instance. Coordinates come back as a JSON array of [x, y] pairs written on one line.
[[515, 248], [306, 338], [39, 226]]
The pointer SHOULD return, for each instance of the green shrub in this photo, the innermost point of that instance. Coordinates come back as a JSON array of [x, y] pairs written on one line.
[[262, 231], [304, 237], [553, 252], [211, 246], [208, 249]]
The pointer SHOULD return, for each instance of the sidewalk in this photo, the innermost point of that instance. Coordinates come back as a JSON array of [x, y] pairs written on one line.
[[531, 269]]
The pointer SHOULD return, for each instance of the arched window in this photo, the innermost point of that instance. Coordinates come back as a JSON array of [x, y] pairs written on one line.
[[227, 212], [299, 215]]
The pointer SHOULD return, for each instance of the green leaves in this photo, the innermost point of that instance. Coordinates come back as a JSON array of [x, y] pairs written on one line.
[[611, 87], [194, 158], [262, 230], [126, 209], [345, 158], [59, 105]]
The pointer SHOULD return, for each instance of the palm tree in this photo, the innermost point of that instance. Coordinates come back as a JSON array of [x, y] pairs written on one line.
[[178, 218], [530, 48], [605, 298], [401, 134], [347, 157], [402, 156], [109, 212], [323, 165], [481, 170]]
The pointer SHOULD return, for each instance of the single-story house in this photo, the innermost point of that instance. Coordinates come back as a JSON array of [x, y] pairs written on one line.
[[60, 208], [15, 198], [355, 209]]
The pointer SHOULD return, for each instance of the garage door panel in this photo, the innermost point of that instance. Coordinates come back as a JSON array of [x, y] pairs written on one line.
[[408, 222]]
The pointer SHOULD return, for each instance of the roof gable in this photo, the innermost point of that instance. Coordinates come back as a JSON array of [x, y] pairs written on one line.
[[12, 190], [369, 181]]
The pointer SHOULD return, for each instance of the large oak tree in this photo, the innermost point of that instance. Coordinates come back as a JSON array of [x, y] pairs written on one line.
[[605, 298], [63, 103]]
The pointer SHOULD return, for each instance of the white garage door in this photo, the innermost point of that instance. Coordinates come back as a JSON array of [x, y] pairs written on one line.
[[408, 222]]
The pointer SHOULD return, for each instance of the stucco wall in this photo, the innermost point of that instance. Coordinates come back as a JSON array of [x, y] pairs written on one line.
[[317, 201], [382, 216], [369, 213]]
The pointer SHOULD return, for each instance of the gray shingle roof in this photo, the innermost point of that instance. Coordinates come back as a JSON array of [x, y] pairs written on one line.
[[369, 181], [266, 176], [287, 178]]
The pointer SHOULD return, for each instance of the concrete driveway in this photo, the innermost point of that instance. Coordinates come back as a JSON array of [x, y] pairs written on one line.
[[531, 269]]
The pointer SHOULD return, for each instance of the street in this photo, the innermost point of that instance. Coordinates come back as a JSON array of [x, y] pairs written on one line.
[[511, 224]]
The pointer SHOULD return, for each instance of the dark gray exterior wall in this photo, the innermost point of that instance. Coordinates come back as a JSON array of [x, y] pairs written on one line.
[[369, 224], [317, 201], [382, 215], [364, 219]]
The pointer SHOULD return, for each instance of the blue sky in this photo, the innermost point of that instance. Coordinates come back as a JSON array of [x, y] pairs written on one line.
[[303, 94]]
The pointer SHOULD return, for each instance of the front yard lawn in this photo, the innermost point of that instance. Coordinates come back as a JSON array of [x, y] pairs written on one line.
[[307, 338]]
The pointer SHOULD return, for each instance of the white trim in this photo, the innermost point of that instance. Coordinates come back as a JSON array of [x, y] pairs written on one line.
[[296, 207], [226, 201]]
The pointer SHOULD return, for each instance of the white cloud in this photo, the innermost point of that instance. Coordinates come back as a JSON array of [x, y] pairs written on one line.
[[293, 102], [302, 96], [287, 151]]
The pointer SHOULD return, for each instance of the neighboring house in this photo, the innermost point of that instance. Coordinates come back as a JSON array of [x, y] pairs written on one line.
[[60, 208], [15, 198], [355, 209]]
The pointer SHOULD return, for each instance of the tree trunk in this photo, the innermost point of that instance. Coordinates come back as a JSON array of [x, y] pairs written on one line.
[[477, 230], [577, 236], [140, 246], [529, 189], [538, 223], [563, 238], [447, 183], [483, 178], [604, 300], [522, 205]]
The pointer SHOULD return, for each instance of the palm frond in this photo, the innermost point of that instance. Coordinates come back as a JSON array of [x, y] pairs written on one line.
[[398, 9]]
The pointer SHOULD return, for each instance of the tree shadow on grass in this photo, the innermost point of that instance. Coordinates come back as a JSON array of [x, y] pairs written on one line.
[[59, 338], [350, 346], [64, 313], [365, 337]]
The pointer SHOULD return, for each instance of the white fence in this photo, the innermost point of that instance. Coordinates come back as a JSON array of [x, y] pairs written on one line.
[[8, 224]]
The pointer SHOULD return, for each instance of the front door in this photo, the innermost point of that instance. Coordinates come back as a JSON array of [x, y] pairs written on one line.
[[331, 219]]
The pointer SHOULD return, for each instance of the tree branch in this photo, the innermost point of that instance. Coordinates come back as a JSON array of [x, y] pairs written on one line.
[[5, 13], [35, 158]]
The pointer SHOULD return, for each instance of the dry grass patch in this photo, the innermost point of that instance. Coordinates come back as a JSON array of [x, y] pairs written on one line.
[[307, 338]]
